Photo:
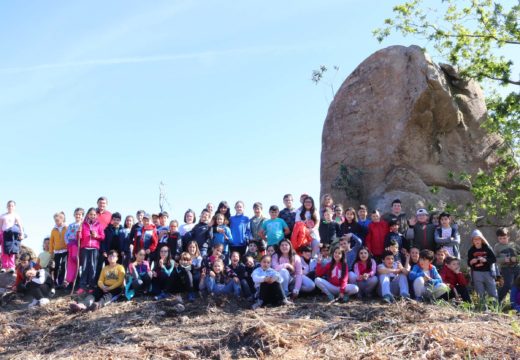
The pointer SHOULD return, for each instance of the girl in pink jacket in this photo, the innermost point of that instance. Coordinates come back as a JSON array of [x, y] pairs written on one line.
[[91, 233]]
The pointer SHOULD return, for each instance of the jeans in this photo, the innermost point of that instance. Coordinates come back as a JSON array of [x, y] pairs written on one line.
[[366, 287], [230, 288], [509, 273], [397, 285], [89, 258], [420, 287]]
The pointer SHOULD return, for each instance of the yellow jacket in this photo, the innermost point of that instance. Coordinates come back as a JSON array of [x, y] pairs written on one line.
[[112, 277], [57, 240]]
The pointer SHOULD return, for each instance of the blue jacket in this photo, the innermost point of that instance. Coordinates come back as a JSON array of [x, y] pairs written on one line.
[[240, 230], [12, 243], [418, 272]]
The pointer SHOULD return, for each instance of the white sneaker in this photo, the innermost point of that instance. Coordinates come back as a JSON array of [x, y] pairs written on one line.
[[44, 301], [53, 292], [33, 303]]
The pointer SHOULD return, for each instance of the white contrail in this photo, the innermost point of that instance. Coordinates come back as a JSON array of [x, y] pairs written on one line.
[[143, 59]]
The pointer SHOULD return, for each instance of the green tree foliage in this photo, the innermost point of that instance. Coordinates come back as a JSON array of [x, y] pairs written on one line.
[[481, 38]]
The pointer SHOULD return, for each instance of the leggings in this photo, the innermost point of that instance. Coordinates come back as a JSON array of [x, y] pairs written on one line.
[[72, 262]]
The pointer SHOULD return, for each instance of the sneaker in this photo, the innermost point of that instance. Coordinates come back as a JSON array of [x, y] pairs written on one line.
[[77, 307], [11, 271], [33, 303], [330, 297], [419, 299], [160, 296], [53, 292], [2, 271], [44, 301], [80, 291], [94, 306], [179, 308], [257, 304], [191, 297], [388, 299], [286, 301], [344, 300], [405, 296]]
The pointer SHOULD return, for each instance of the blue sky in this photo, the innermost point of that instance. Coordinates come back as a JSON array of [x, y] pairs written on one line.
[[213, 98]]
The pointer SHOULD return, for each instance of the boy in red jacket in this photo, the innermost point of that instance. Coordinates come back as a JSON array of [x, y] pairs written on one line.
[[148, 239], [377, 231], [452, 276]]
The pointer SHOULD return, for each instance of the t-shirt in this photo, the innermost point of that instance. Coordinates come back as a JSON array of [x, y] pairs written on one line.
[[44, 258], [274, 230], [446, 234]]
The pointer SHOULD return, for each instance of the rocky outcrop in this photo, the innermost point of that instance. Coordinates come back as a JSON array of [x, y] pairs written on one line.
[[406, 127]]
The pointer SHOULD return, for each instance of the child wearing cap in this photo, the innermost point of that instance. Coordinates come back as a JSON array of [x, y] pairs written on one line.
[[481, 259], [421, 233], [447, 236]]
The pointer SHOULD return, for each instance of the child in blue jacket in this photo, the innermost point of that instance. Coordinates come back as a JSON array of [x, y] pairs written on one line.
[[427, 283]]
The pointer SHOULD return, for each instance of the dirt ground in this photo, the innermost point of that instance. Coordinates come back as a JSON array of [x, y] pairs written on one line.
[[311, 329]]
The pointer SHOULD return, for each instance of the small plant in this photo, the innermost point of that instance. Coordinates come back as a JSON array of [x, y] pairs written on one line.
[[349, 181]]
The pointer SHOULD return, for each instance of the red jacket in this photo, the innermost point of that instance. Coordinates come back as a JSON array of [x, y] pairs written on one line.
[[148, 239], [452, 279], [301, 236], [334, 276], [375, 239]]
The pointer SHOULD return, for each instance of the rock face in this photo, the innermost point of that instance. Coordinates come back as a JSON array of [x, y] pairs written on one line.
[[410, 126]]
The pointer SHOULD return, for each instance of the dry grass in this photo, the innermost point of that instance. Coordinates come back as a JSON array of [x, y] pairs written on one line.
[[310, 330]]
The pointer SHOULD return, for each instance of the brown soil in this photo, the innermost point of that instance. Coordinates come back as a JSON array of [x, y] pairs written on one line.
[[312, 329]]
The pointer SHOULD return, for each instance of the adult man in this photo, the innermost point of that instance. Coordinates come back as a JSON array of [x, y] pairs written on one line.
[[104, 216], [398, 216]]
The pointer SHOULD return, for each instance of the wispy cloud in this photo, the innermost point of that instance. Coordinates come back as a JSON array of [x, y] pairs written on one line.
[[203, 55]]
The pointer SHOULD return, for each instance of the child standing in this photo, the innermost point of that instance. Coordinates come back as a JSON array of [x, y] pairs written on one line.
[[200, 233], [269, 284], [350, 225], [148, 240], [427, 283], [447, 236], [45, 256], [275, 229], [288, 213], [507, 254], [90, 236], [393, 278], [364, 274], [480, 260], [252, 250], [240, 231], [58, 248], [220, 234], [363, 219], [329, 229], [302, 236], [440, 257], [377, 231], [126, 242], [173, 240], [12, 234], [255, 225], [421, 233], [337, 277], [71, 238]]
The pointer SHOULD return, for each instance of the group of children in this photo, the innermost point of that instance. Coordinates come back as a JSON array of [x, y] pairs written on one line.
[[266, 260]]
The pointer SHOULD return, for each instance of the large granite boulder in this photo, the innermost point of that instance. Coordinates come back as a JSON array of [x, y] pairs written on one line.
[[404, 127]]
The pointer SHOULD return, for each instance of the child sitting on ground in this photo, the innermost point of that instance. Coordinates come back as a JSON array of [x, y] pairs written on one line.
[[140, 276], [269, 285], [218, 282], [162, 269], [350, 244], [455, 279], [38, 284], [427, 283], [308, 263], [393, 278], [237, 271], [336, 273], [364, 274], [182, 278], [440, 257], [110, 286]]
